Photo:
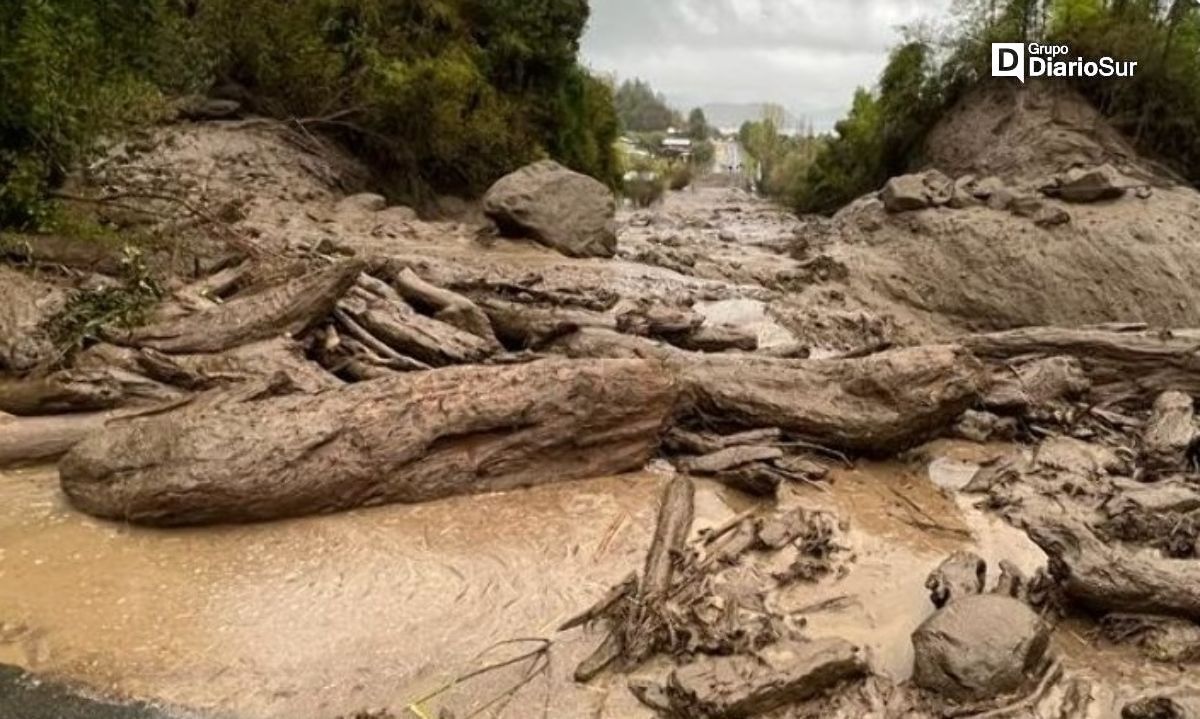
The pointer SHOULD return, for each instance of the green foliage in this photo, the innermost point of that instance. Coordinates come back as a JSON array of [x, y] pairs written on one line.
[[643, 110], [441, 95], [69, 70], [1159, 107], [698, 128], [87, 312]]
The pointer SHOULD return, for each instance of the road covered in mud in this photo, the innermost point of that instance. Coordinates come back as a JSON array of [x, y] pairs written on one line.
[[932, 457]]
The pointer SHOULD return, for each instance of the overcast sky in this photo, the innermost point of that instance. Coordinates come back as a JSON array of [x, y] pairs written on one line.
[[807, 55]]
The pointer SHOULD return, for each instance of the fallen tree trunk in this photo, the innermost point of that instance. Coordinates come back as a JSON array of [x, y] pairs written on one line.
[[81, 390], [446, 306], [1137, 366], [1111, 579], [875, 405], [288, 308], [410, 438], [29, 440], [399, 327], [531, 326]]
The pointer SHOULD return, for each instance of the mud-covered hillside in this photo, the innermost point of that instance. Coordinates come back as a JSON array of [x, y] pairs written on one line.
[[932, 457]]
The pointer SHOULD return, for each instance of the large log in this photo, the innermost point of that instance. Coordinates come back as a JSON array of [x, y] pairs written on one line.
[[81, 390], [288, 308], [29, 440], [408, 438], [876, 405], [1135, 366], [1109, 578]]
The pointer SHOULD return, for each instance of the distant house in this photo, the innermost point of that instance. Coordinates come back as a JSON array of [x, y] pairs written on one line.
[[677, 146]]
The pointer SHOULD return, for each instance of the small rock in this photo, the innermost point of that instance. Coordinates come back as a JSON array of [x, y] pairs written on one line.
[[1002, 199], [988, 186], [1181, 705], [964, 193], [982, 427], [961, 575], [979, 647], [362, 202], [1145, 192], [726, 236], [1051, 217], [1091, 185]]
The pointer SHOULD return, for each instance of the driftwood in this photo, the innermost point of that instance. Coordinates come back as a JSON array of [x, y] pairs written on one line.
[[684, 441], [532, 326], [717, 338], [198, 372], [377, 310], [749, 686], [444, 305], [81, 390], [1109, 578], [288, 308], [28, 440], [409, 438], [1041, 384], [1134, 366], [676, 511], [675, 514], [877, 404]]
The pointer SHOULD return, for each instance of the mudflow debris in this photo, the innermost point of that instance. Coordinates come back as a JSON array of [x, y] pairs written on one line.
[[785, 387]]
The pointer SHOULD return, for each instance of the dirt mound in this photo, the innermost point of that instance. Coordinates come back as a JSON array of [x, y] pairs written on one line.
[[1005, 249], [1028, 133]]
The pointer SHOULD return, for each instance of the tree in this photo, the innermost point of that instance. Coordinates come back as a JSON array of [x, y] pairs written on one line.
[[641, 109], [697, 126]]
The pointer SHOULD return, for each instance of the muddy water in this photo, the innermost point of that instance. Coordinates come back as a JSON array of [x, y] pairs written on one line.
[[316, 617]]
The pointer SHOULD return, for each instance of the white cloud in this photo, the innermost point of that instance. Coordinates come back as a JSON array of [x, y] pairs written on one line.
[[808, 55]]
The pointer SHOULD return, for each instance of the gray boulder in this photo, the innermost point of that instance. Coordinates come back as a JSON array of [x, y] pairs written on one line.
[[979, 647], [559, 208], [907, 193], [1091, 184]]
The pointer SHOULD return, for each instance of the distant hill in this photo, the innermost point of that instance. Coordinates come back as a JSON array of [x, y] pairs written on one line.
[[731, 115]]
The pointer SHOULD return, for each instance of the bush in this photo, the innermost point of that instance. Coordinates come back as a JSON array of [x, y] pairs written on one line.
[[680, 176], [440, 95]]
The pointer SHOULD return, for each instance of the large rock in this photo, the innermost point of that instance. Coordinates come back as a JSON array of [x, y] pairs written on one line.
[[917, 192], [409, 438], [979, 647], [570, 212]]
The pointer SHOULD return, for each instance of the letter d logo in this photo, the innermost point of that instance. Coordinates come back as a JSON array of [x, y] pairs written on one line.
[[1008, 60]]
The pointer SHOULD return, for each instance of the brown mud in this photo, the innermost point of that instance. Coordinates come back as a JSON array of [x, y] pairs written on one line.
[[374, 608]]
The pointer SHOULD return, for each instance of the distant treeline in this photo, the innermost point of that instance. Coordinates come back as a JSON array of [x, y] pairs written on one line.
[[1159, 108], [438, 95]]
